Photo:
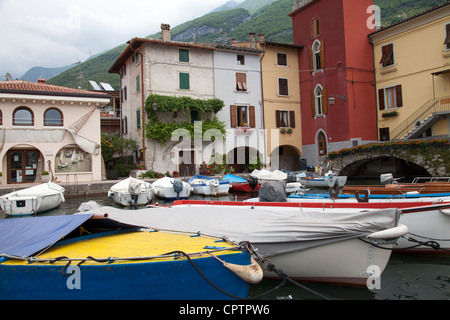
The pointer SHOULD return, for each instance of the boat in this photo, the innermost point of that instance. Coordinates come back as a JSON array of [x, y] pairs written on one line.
[[171, 189], [390, 185], [328, 180], [131, 192], [290, 180], [207, 186], [239, 184], [334, 246], [33, 200], [120, 263]]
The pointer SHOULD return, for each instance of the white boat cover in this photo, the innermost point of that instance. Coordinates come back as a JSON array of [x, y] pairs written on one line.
[[264, 174], [273, 230]]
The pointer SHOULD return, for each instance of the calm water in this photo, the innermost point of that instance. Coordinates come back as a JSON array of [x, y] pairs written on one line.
[[405, 278]]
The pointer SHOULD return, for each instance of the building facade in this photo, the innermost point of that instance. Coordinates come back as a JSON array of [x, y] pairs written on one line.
[[52, 129], [412, 65], [336, 75]]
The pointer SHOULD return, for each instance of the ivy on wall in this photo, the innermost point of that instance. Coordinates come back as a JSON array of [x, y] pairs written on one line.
[[161, 132]]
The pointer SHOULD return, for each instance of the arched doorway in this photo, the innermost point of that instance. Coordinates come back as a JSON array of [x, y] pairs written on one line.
[[322, 143], [288, 158]]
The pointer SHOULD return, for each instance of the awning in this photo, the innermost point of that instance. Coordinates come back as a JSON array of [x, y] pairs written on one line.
[[22, 237], [438, 73]]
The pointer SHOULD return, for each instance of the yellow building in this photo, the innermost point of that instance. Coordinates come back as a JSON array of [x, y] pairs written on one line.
[[281, 102], [412, 69]]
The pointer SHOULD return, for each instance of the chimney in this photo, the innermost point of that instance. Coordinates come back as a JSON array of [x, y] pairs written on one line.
[[261, 38], [41, 81], [252, 40], [165, 32]]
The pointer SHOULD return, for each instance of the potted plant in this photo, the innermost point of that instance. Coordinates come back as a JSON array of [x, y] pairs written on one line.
[[289, 130], [283, 130], [45, 176], [176, 174]]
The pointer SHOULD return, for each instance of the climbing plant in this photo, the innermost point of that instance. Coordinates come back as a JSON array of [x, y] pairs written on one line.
[[161, 132]]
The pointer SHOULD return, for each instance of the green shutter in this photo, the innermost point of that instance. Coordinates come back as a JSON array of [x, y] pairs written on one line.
[[183, 55], [184, 81], [138, 118]]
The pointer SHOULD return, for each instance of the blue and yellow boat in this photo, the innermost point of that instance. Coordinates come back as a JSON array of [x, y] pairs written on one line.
[[123, 262]]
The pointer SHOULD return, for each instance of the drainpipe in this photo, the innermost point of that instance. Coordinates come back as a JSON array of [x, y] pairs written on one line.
[[375, 84], [143, 110]]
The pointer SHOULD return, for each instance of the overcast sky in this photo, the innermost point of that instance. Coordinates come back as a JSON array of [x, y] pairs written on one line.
[[56, 33]]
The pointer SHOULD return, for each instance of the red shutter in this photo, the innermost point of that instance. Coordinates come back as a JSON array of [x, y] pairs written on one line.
[[313, 104], [252, 117], [381, 99], [322, 54], [398, 92], [325, 100], [233, 116]]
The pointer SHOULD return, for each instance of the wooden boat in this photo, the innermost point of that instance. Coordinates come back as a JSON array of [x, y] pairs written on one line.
[[326, 181], [131, 192], [336, 246], [207, 186], [239, 184], [33, 200], [171, 189], [120, 264]]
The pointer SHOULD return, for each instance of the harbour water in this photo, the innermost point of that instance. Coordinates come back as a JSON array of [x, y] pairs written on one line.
[[407, 277]]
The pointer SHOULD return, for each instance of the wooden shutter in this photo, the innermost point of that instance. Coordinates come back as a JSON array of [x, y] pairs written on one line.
[[447, 36], [398, 93], [311, 60], [252, 116], [292, 119], [278, 118], [387, 55], [283, 87], [241, 82], [185, 81], [313, 103], [233, 116], [322, 55], [381, 99], [324, 100]]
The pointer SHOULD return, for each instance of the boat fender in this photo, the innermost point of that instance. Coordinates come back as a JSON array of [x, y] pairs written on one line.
[[445, 211], [252, 273], [391, 233], [366, 196]]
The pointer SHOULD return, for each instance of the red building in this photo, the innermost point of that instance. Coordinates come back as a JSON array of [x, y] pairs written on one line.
[[336, 74]]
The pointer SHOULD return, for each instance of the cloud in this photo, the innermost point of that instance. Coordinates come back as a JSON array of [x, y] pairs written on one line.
[[52, 33]]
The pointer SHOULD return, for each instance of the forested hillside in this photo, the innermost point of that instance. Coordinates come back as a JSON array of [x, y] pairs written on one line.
[[220, 27]]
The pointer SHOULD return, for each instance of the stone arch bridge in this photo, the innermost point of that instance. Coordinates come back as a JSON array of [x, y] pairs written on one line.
[[431, 155]]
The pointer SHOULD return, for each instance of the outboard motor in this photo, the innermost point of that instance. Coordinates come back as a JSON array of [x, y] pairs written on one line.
[[292, 177], [134, 188], [272, 191], [253, 183], [177, 187]]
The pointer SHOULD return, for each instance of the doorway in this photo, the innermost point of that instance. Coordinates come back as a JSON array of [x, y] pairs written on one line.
[[322, 139], [22, 166]]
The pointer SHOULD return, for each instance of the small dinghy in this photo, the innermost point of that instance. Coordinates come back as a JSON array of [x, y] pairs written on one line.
[[131, 192], [209, 186], [239, 184], [172, 189], [32, 200]]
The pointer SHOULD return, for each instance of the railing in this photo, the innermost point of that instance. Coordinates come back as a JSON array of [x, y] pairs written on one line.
[[431, 107]]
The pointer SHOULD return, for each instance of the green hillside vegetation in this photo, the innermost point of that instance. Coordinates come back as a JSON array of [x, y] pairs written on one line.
[[221, 27]]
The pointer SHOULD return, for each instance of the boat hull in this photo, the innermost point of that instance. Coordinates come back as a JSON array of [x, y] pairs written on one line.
[[163, 188], [121, 194], [206, 190], [244, 187], [323, 182], [176, 280]]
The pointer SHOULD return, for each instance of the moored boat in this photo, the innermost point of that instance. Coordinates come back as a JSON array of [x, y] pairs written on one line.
[[336, 246], [207, 186], [239, 184], [33, 200], [170, 188], [121, 264], [326, 181], [131, 192]]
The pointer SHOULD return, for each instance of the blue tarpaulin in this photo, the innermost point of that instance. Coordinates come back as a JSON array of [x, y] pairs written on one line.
[[25, 236], [233, 178]]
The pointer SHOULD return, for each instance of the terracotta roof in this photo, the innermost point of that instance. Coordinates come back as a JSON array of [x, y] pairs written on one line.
[[41, 88]]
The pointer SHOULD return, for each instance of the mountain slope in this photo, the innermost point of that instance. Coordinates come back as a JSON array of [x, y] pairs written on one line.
[[270, 18]]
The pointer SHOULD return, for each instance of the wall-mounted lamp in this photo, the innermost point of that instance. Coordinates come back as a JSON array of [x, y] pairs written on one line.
[[155, 106], [332, 98]]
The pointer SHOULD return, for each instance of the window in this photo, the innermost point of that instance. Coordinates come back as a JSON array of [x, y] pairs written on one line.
[[124, 125], [317, 56], [23, 116], [183, 55], [1, 118], [285, 118], [185, 82], [53, 117], [384, 134], [241, 82], [315, 28], [447, 37], [242, 116], [387, 57], [322, 142], [319, 102], [283, 87], [282, 59], [138, 119], [390, 97], [123, 94], [138, 83], [240, 59]]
